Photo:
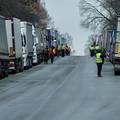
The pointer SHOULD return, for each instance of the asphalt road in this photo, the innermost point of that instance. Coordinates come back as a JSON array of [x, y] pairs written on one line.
[[67, 90]]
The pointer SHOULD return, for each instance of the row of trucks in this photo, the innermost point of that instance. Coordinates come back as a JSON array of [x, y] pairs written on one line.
[[111, 42], [116, 52], [20, 45]]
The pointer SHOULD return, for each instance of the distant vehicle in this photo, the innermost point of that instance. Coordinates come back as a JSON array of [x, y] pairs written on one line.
[[14, 44], [27, 44], [4, 56]]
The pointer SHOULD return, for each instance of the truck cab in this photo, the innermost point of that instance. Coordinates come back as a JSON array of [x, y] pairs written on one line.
[[27, 44], [35, 44]]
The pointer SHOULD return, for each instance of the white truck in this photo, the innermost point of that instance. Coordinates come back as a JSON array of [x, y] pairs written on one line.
[[4, 58], [27, 44], [35, 46], [14, 44]]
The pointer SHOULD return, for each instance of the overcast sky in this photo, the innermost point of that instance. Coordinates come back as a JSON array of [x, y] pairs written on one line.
[[66, 17]]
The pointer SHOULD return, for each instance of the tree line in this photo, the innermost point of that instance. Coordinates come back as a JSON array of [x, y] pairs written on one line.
[[26, 10], [99, 14]]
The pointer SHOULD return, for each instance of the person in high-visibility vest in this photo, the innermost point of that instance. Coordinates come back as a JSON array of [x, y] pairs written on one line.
[[97, 48], [51, 54], [92, 50], [99, 62], [62, 50]]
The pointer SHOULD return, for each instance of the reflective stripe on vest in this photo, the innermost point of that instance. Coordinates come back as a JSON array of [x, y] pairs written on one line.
[[98, 58]]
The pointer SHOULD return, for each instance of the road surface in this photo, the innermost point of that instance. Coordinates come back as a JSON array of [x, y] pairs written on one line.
[[67, 90]]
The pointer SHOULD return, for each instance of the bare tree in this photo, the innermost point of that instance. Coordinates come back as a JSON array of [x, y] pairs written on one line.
[[99, 14]]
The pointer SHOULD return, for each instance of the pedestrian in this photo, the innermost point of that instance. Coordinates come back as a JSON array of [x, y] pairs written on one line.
[[67, 50], [92, 50], [62, 50], [57, 51], [51, 54], [99, 62], [46, 55], [54, 51]]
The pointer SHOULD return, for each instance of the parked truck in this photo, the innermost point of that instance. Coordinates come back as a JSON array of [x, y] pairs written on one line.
[[41, 43], [14, 45], [35, 46], [27, 44], [116, 61], [4, 58]]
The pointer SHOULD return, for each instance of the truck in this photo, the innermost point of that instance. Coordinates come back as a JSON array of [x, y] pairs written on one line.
[[49, 36], [4, 56], [27, 44], [41, 42], [116, 60], [35, 46], [13, 31]]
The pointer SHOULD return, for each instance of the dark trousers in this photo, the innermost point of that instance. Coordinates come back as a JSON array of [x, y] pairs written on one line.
[[62, 53], [99, 68], [52, 58]]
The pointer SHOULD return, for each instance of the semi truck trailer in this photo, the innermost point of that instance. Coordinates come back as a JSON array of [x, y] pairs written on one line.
[[116, 61], [4, 57], [14, 44]]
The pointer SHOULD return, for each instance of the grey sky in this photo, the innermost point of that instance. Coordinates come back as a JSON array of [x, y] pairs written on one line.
[[66, 17]]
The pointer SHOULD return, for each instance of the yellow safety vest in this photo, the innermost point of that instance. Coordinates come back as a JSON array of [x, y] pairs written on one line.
[[98, 58]]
